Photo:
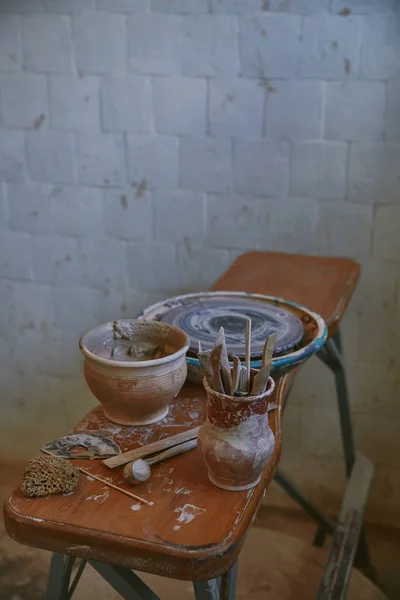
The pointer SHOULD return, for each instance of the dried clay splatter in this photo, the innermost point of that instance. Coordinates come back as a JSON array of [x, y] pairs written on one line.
[[187, 513], [183, 490], [101, 498]]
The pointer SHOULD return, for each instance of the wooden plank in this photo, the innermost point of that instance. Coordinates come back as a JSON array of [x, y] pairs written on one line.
[[345, 539], [122, 459], [324, 284]]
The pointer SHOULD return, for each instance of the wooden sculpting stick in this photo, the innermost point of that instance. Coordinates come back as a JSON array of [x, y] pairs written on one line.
[[260, 381], [235, 374], [216, 367], [174, 451], [225, 368], [269, 349], [205, 363], [136, 472], [111, 485], [248, 353], [131, 455]]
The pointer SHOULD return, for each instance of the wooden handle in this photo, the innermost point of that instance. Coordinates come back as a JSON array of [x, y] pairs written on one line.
[[131, 455], [216, 367], [269, 349], [248, 353], [174, 451], [243, 380], [237, 366], [260, 380], [225, 369], [205, 362]]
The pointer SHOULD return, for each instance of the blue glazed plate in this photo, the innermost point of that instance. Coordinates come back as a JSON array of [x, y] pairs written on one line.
[[202, 315], [314, 337]]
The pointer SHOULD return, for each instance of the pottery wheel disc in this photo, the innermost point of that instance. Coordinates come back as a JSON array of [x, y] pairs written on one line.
[[201, 318]]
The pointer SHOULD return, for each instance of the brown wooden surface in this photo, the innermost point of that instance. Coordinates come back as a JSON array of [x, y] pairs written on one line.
[[98, 524], [325, 285]]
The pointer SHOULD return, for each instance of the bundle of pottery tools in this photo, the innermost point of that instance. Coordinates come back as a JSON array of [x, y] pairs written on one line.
[[53, 474], [236, 382], [139, 461]]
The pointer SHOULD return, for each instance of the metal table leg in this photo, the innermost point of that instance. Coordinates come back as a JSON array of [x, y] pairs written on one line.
[[127, 583], [327, 526], [207, 590], [124, 581], [223, 588], [59, 577], [332, 356], [228, 584]]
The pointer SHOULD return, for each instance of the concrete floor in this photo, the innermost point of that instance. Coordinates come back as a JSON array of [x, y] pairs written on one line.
[[23, 570]]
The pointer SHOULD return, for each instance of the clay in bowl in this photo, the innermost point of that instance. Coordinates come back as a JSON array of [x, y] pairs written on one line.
[[135, 368]]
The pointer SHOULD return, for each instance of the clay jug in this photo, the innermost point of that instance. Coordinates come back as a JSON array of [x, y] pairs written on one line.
[[236, 441]]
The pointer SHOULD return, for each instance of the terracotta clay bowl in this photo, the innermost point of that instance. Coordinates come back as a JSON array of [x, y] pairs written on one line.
[[135, 368]]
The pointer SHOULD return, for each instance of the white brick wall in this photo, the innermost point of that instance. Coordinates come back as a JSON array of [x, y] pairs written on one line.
[[210, 46], [15, 89], [144, 144], [74, 103]]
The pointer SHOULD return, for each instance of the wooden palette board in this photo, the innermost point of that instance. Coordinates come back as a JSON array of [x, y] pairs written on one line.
[[201, 315]]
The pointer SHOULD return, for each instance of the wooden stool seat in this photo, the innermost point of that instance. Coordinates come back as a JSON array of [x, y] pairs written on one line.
[[193, 531], [275, 566], [322, 284]]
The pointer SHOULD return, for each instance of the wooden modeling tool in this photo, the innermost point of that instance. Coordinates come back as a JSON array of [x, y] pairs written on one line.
[[260, 381], [269, 349], [205, 363], [225, 368], [248, 353], [105, 482], [131, 455], [237, 366], [243, 383], [216, 367], [140, 470]]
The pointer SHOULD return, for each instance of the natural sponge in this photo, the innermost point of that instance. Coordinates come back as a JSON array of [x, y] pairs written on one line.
[[48, 475]]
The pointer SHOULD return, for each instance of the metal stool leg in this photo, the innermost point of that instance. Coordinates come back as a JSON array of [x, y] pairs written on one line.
[[332, 356], [228, 584], [326, 525], [334, 350], [124, 581], [207, 590], [59, 577], [223, 588]]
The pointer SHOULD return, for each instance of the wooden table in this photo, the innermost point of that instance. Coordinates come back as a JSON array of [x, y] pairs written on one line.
[[194, 530]]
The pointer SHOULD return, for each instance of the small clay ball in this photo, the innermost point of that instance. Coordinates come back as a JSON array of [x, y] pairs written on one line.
[[136, 472], [48, 475]]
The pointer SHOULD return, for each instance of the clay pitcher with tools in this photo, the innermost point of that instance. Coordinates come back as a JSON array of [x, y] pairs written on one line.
[[236, 441]]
